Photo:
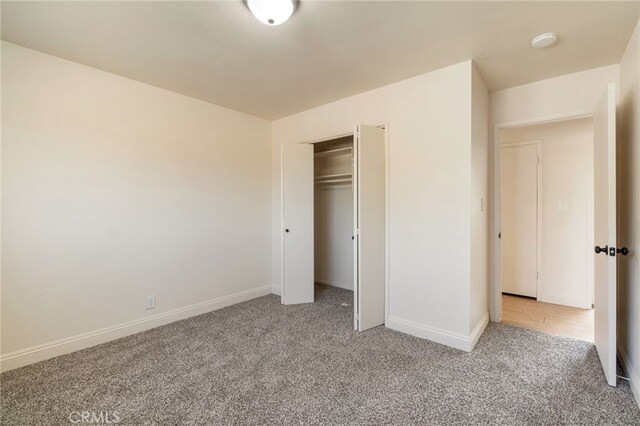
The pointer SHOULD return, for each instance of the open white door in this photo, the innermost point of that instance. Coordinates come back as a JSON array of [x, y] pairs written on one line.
[[604, 143], [297, 223], [369, 223]]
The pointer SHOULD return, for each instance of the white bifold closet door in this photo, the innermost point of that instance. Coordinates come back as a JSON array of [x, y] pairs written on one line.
[[297, 223], [604, 178], [369, 224]]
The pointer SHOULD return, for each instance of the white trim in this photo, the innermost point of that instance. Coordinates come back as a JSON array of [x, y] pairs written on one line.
[[545, 119], [334, 284], [496, 284], [556, 300], [438, 335], [539, 266], [356, 225], [85, 340], [281, 227], [387, 222], [275, 289], [632, 374]]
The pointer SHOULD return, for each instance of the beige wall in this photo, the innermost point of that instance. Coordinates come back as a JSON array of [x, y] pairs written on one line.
[[629, 211], [430, 190], [479, 205], [113, 190], [566, 258], [560, 97]]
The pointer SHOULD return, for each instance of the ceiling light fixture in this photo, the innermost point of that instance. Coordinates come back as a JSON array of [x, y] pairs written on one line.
[[272, 12], [544, 40]]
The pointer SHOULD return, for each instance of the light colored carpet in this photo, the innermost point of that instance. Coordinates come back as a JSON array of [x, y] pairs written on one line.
[[263, 363]]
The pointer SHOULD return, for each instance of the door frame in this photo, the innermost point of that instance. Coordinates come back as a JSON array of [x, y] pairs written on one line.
[[538, 144], [495, 308], [384, 126]]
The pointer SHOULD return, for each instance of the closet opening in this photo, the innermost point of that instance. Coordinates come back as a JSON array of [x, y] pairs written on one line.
[[334, 222], [334, 237]]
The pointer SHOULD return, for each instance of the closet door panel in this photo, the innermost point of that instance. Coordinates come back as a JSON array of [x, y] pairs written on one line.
[[297, 224], [370, 226]]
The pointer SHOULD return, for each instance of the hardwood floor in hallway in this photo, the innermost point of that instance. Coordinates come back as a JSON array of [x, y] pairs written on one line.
[[553, 319]]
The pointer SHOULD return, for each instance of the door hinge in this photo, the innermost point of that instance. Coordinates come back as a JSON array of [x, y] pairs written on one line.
[[357, 317], [537, 275]]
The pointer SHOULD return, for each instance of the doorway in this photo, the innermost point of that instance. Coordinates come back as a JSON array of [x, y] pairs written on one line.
[[547, 227], [605, 250], [334, 220]]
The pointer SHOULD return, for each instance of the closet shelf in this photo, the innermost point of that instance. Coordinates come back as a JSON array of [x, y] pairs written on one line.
[[328, 181], [331, 152], [333, 177], [337, 178]]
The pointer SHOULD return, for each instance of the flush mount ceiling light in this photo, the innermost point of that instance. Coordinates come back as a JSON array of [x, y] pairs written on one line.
[[544, 40], [271, 12]]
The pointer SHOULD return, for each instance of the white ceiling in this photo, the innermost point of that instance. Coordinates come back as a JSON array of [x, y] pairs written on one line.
[[218, 52]]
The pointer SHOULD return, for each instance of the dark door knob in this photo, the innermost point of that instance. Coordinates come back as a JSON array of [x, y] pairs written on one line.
[[623, 251], [286, 230], [604, 250]]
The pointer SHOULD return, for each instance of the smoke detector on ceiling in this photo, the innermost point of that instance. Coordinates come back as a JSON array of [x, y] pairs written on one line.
[[544, 40]]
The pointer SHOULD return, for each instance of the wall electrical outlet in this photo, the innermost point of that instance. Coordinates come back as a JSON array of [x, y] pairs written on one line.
[[151, 302]]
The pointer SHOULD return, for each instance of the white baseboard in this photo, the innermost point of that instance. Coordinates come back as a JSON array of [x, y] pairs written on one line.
[[454, 340], [632, 373], [563, 301], [334, 284], [82, 341]]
